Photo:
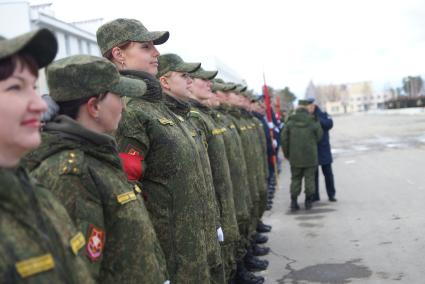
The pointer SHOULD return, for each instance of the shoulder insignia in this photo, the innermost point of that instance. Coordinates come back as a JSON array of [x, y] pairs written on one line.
[[180, 118], [77, 242], [95, 243], [253, 125], [243, 128], [71, 162], [219, 131], [137, 189], [193, 133], [232, 126], [218, 115], [194, 113], [35, 265], [165, 121], [126, 197]]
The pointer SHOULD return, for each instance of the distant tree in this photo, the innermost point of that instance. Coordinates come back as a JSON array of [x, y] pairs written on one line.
[[412, 85], [287, 98]]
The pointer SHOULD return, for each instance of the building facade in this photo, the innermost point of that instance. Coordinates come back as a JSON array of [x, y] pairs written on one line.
[[18, 17]]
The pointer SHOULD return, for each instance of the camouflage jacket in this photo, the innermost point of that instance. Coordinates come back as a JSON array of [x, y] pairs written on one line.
[[201, 116], [245, 131], [237, 164], [182, 111], [83, 170], [299, 139], [38, 241], [172, 180]]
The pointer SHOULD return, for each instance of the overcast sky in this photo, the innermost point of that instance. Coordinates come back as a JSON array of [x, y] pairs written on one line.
[[293, 41]]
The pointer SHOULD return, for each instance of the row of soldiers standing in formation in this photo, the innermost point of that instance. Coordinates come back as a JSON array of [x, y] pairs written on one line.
[[175, 195]]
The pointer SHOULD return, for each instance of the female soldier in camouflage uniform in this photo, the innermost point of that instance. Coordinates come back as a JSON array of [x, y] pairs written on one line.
[[79, 162], [150, 130], [38, 242]]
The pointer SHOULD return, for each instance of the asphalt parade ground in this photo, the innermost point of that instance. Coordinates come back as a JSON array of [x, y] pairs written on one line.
[[375, 233]]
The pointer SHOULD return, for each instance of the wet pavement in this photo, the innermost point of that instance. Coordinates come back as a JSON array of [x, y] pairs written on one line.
[[375, 233]]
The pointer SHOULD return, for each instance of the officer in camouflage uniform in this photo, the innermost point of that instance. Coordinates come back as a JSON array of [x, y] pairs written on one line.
[[174, 76], [299, 142], [38, 241], [79, 162], [204, 120], [172, 177]]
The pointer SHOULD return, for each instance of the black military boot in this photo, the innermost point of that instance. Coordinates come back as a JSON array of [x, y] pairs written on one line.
[[308, 202], [253, 263], [260, 251], [243, 276], [294, 204], [260, 239], [263, 228]]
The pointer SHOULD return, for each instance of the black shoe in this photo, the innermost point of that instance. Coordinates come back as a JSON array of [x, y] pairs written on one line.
[[260, 251], [260, 239], [332, 199], [268, 207], [253, 263], [263, 228], [270, 202], [294, 204], [315, 198], [243, 276], [308, 203]]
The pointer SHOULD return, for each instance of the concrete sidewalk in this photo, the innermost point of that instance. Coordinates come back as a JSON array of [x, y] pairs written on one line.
[[375, 233]]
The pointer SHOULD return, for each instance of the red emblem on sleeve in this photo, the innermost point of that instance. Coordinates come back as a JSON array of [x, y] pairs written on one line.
[[95, 243], [132, 165]]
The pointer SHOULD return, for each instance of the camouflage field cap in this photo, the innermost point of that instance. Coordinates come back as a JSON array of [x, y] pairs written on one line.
[[40, 44], [172, 62], [202, 74], [82, 76], [217, 86], [230, 87], [121, 30], [304, 102], [240, 88]]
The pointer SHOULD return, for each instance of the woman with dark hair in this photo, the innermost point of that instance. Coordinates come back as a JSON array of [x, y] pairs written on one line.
[[79, 162], [172, 179], [38, 242]]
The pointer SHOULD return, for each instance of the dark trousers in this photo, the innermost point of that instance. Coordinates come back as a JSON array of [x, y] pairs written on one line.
[[329, 181]]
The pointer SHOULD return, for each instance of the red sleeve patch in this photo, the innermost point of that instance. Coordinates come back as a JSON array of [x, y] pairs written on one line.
[[95, 243], [132, 165]]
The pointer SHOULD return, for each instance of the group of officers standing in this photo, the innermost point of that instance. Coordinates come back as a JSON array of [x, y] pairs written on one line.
[[170, 190]]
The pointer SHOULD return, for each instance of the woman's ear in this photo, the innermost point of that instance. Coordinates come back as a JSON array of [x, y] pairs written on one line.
[[92, 107], [118, 54], [164, 83]]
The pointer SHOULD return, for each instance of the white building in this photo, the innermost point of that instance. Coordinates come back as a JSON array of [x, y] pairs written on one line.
[[18, 17]]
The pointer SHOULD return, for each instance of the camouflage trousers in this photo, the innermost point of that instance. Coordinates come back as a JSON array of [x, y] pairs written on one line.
[[297, 175]]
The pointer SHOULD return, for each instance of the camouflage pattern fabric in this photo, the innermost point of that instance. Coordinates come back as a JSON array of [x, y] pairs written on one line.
[[36, 235], [202, 117], [121, 30], [172, 62], [244, 132], [239, 176], [299, 139], [83, 170], [172, 181], [41, 44], [84, 76], [182, 111]]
